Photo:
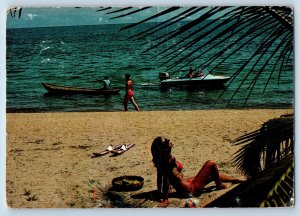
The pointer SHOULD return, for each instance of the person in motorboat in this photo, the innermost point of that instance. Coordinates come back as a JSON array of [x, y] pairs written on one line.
[[169, 173], [200, 73], [191, 73], [129, 93]]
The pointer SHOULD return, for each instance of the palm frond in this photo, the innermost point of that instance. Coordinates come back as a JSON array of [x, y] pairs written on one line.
[[170, 35], [13, 12], [240, 26], [265, 147], [259, 191], [258, 30], [247, 75], [164, 24], [283, 14], [131, 12], [281, 58], [119, 10], [282, 192], [169, 10], [103, 9], [230, 27]]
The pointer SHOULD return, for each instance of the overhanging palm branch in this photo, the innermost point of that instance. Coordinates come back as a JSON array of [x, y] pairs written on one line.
[[266, 33], [283, 191], [14, 11], [267, 159], [273, 187], [265, 147], [124, 9]]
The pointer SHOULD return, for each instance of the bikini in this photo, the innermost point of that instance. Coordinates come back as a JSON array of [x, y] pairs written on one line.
[[179, 165], [190, 180], [129, 91], [182, 191]]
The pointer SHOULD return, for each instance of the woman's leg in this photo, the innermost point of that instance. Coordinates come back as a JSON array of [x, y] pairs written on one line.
[[125, 102], [208, 173], [226, 178], [135, 104]]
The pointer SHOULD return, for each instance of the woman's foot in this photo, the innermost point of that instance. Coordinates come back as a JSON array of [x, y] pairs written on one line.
[[164, 203], [237, 181], [224, 186]]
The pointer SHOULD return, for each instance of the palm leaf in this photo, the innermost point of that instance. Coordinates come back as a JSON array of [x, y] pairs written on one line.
[[119, 10], [131, 12], [283, 14], [265, 147], [272, 187], [258, 56], [229, 29], [13, 12], [103, 9], [191, 48], [168, 36], [282, 192], [281, 58], [169, 10], [20, 13], [243, 41], [164, 24]]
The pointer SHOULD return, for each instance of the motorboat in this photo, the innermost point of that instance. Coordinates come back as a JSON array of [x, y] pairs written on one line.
[[205, 81]]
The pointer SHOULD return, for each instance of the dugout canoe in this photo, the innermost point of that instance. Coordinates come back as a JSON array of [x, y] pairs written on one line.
[[58, 89]]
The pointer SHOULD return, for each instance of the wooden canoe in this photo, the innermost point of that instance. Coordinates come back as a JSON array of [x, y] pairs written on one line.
[[57, 89]]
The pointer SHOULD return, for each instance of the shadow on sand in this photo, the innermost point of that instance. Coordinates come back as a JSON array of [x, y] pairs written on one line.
[[148, 199]]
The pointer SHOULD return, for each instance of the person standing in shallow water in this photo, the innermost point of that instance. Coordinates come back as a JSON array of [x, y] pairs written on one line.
[[129, 93], [106, 83]]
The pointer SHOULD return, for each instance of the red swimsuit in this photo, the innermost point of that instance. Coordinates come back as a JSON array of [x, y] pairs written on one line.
[[179, 165], [129, 89]]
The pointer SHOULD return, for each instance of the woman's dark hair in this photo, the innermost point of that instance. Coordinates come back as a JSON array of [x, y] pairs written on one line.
[[127, 76], [161, 152], [155, 150]]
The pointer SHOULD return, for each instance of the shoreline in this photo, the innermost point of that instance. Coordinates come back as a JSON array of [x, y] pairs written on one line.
[[49, 160], [132, 110]]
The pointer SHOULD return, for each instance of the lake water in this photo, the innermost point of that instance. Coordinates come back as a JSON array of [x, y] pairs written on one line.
[[79, 55]]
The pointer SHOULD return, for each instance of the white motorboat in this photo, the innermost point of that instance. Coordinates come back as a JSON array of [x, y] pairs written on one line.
[[206, 81]]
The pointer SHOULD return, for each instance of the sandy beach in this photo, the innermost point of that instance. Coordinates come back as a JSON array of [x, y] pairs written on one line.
[[49, 161]]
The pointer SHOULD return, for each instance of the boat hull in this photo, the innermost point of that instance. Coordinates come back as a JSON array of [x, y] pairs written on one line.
[[208, 82], [57, 89]]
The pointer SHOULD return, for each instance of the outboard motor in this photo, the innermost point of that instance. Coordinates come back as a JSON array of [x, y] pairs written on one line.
[[163, 76]]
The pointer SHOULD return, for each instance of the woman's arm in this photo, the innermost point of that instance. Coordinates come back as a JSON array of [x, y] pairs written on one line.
[[165, 188], [159, 182]]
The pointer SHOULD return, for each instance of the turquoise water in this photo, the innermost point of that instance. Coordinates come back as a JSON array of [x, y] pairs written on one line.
[[77, 56]]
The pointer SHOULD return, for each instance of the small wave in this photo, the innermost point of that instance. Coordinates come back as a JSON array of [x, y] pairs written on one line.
[[44, 49], [45, 60], [46, 41]]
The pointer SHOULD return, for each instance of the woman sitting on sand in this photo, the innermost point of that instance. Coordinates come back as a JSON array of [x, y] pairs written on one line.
[[169, 172]]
